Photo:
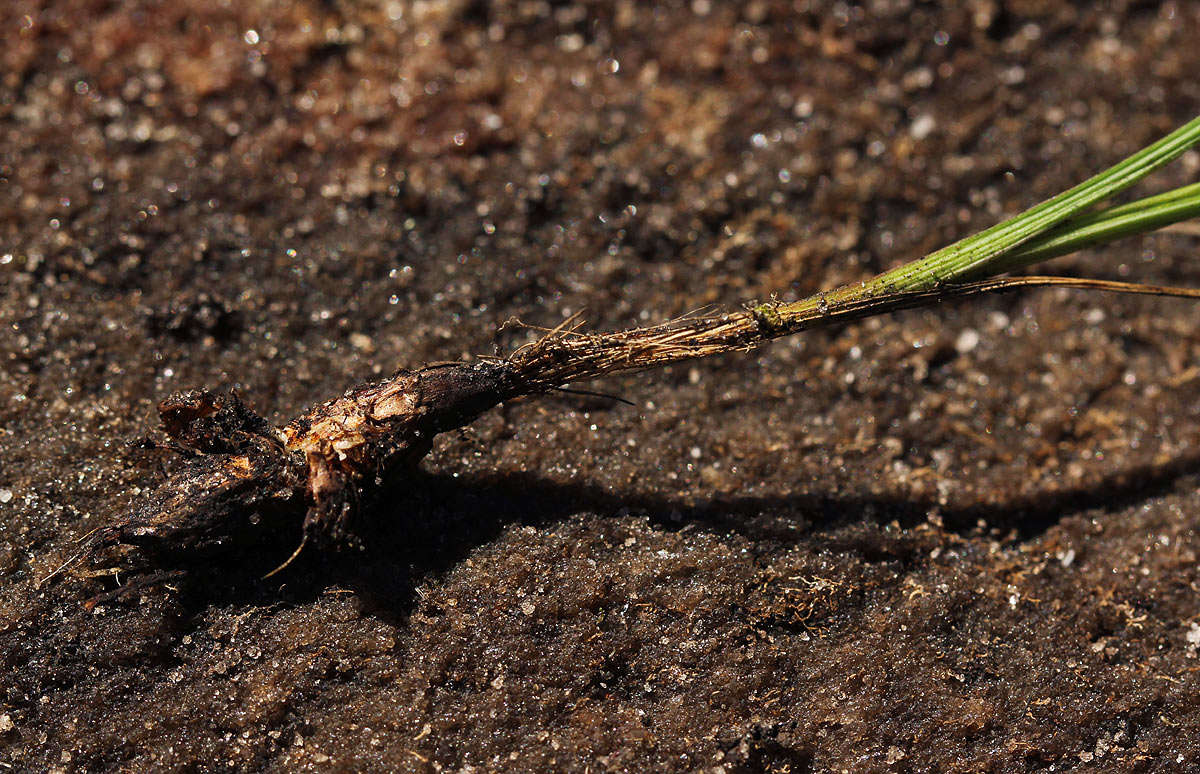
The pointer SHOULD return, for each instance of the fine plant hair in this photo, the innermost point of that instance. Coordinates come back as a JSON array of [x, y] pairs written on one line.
[[243, 478]]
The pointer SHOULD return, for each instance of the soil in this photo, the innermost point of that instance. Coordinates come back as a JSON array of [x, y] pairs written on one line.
[[957, 539]]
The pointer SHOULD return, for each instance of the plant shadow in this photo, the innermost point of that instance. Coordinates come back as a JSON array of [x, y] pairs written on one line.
[[436, 521], [431, 522]]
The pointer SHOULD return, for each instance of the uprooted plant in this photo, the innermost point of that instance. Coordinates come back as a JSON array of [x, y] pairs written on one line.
[[315, 474]]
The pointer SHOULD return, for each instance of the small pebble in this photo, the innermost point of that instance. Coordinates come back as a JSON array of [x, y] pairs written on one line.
[[362, 342], [967, 341], [922, 127]]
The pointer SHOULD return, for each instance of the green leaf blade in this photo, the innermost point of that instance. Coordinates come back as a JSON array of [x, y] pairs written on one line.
[[977, 256]]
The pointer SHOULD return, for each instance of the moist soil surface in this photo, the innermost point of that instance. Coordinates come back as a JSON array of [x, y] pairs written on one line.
[[956, 539]]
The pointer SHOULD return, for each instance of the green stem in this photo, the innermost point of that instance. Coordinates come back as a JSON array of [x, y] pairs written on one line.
[[980, 255], [1052, 228], [1098, 228]]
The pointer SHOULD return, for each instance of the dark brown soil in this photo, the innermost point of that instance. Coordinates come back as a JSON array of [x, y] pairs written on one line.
[[963, 539]]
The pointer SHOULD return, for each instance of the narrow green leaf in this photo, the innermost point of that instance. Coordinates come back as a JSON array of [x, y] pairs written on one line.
[[1098, 228], [976, 256]]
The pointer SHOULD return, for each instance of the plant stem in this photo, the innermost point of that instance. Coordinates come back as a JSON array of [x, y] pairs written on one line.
[[1098, 228], [977, 255], [1055, 227]]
